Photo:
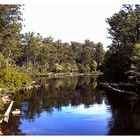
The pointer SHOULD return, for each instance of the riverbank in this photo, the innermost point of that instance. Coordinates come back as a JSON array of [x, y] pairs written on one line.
[[6, 95], [60, 75], [61, 103], [35, 84], [128, 91]]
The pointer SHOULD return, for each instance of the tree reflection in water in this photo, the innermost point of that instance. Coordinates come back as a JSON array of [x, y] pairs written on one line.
[[125, 118], [74, 91], [59, 92], [12, 127], [62, 92]]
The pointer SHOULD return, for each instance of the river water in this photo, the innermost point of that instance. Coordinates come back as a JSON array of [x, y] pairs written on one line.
[[73, 106]]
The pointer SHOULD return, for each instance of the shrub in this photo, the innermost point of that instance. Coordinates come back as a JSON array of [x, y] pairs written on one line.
[[13, 79]]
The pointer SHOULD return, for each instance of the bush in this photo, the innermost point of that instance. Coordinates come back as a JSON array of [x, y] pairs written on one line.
[[18, 80], [12, 78]]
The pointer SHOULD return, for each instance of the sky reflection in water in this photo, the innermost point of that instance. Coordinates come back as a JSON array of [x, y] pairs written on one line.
[[73, 106], [70, 120]]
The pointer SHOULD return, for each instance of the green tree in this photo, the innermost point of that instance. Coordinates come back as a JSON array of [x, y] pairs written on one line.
[[134, 72], [88, 52], [99, 53], [47, 55], [124, 32], [77, 50], [10, 27], [30, 49]]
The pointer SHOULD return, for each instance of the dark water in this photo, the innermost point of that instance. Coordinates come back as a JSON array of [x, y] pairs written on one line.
[[73, 106]]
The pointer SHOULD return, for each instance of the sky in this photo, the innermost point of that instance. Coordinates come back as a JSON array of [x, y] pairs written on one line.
[[70, 20]]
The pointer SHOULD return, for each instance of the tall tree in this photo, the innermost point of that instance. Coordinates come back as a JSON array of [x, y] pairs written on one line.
[[99, 53], [124, 32], [88, 52], [10, 27], [77, 49], [47, 56], [30, 48]]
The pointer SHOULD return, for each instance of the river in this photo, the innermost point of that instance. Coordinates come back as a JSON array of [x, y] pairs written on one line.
[[73, 106]]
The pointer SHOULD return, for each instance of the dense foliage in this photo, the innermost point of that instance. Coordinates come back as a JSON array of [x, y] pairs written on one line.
[[29, 54], [11, 76], [125, 33], [10, 27], [43, 55], [32, 54]]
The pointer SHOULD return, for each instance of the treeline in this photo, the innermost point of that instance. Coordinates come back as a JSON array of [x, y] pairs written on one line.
[[122, 60], [43, 55], [29, 54], [25, 55]]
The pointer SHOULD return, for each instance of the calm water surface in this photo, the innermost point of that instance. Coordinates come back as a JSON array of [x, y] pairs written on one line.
[[73, 106]]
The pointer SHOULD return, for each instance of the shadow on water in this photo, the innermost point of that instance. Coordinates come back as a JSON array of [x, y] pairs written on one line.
[[125, 118], [115, 115]]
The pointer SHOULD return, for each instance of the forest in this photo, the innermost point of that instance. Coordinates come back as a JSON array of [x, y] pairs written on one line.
[[26, 55]]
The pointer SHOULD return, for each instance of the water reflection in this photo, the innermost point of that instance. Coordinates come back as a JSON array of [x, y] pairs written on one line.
[[125, 118], [73, 106], [59, 93]]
